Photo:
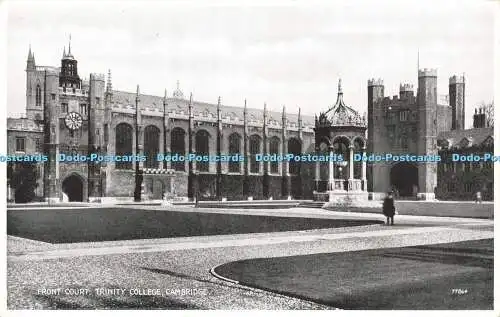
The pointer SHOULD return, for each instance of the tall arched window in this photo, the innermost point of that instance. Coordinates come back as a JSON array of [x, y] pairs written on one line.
[[358, 149], [234, 149], [254, 150], [123, 145], [38, 96], [341, 148], [295, 148], [202, 148], [178, 146], [151, 146], [274, 148]]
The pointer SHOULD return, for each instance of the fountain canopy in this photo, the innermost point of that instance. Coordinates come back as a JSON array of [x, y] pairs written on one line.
[[341, 115]]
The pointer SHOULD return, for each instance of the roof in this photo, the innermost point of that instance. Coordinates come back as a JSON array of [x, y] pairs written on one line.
[[340, 114], [465, 138], [179, 104]]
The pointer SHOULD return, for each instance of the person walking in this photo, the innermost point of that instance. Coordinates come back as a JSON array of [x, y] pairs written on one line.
[[389, 209]]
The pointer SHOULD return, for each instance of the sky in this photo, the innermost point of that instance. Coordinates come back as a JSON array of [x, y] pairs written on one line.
[[286, 53]]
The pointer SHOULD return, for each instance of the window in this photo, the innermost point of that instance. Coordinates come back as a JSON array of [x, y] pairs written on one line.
[[83, 109], [106, 134], [124, 134], [234, 149], [391, 131], [403, 115], [294, 147], [151, 146], [97, 100], [20, 144], [178, 146], [37, 145], [38, 97], [202, 148], [64, 107], [404, 142], [274, 148], [254, 150], [53, 96]]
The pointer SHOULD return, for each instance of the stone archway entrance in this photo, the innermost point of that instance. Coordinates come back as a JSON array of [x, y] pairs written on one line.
[[404, 179], [72, 186]]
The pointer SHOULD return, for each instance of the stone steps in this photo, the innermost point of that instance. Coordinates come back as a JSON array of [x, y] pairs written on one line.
[[312, 204]]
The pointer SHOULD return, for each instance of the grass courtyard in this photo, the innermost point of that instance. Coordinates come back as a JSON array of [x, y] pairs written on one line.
[[110, 224], [440, 276]]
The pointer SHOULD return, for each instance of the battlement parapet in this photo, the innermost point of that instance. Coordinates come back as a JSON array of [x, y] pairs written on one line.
[[206, 117], [375, 82], [51, 70], [405, 87], [427, 72], [66, 91], [443, 100], [23, 124], [457, 80], [96, 76]]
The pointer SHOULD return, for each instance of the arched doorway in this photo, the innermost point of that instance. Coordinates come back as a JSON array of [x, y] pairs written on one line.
[[404, 179], [72, 186]]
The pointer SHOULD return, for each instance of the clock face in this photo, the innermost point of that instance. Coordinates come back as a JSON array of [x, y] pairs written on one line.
[[73, 120]]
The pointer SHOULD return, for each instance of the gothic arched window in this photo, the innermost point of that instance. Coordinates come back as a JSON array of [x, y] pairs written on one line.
[[295, 148], [151, 146], [123, 134], [234, 149], [359, 147], [254, 150], [274, 148], [178, 146], [38, 96], [202, 148]]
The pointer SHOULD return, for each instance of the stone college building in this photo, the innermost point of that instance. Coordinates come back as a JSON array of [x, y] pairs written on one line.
[[67, 116]]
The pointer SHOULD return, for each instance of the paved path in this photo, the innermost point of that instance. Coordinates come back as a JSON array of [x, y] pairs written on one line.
[[184, 263]]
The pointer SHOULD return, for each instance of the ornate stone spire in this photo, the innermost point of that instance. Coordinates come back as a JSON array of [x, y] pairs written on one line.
[[219, 116], [69, 45], [30, 64], [178, 92]]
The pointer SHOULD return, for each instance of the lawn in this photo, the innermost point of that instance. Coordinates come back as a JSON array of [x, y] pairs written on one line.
[[441, 276], [111, 224]]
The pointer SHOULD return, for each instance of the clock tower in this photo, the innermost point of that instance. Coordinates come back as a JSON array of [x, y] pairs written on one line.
[[69, 78]]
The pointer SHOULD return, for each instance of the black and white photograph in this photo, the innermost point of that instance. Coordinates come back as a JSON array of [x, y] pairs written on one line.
[[288, 155]]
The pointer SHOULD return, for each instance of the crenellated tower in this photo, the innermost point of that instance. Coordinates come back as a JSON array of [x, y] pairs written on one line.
[[457, 102], [427, 127], [376, 131]]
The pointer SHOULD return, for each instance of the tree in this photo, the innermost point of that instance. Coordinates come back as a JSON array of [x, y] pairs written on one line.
[[489, 110], [22, 178]]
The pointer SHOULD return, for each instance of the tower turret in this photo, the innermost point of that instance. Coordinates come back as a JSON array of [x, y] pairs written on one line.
[[69, 70], [457, 102], [376, 130], [30, 63], [427, 127], [405, 91]]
